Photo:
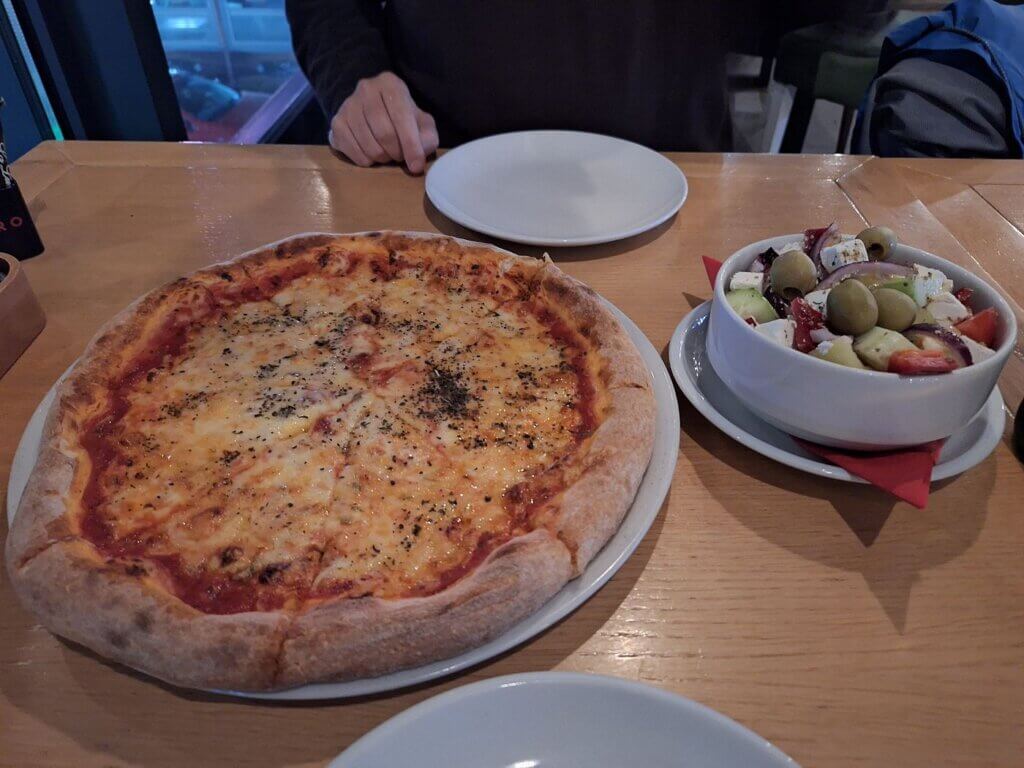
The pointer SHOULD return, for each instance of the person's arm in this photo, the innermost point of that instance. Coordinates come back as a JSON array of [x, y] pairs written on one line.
[[337, 44], [340, 46]]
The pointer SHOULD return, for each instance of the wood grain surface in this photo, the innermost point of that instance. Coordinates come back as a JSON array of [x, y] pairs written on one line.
[[847, 628]]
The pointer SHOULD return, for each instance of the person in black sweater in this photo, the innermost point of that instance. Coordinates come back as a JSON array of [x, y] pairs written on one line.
[[403, 76]]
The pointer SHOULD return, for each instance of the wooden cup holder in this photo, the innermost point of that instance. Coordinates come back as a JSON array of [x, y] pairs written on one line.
[[21, 317]]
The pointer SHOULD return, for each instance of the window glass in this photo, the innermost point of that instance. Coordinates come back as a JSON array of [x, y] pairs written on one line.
[[226, 58]]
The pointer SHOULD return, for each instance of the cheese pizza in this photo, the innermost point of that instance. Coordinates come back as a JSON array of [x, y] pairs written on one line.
[[331, 458]]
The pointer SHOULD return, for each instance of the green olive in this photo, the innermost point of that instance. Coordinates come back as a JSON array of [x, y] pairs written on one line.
[[896, 310], [880, 242], [793, 274], [851, 308]]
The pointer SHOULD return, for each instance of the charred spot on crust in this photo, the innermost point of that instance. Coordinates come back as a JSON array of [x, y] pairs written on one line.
[[117, 640], [386, 271], [267, 370], [370, 317], [226, 276], [230, 555], [273, 573], [285, 250], [300, 245], [143, 621], [134, 569]]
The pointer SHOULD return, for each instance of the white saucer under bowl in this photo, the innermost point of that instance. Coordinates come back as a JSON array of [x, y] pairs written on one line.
[[716, 402], [570, 720]]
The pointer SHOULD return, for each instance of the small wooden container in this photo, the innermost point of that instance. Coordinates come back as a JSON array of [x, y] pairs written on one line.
[[21, 317]]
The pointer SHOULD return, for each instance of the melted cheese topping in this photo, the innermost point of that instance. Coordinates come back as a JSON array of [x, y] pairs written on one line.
[[365, 435]]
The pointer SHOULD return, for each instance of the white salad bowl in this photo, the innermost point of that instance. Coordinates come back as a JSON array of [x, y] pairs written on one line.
[[846, 407]]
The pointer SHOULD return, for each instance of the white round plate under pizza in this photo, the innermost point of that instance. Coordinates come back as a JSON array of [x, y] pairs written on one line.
[[333, 459]]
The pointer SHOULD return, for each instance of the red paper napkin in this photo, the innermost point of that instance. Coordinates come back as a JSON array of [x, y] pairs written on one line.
[[905, 473], [711, 266]]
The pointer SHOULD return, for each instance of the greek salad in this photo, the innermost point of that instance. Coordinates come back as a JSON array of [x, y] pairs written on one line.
[[841, 299]]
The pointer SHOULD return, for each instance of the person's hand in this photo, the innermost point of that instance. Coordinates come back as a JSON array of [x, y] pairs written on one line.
[[380, 123]]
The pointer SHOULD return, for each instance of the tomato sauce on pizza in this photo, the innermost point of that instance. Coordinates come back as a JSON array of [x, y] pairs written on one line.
[[377, 432]]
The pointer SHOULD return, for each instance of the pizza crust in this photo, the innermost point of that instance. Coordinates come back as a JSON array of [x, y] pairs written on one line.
[[351, 639], [42, 517], [126, 615], [589, 313], [592, 508], [126, 618]]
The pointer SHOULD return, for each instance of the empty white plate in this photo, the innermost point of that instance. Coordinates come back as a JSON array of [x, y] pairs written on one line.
[[709, 395], [556, 188], [561, 720]]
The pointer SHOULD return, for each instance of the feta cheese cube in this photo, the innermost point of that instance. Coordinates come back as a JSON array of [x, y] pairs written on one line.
[[753, 280], [818, 300], [823, 347], [979, 352], [947, 309], [927, 283], [780, 331], [920, 291], [842, 254], [819, 335]]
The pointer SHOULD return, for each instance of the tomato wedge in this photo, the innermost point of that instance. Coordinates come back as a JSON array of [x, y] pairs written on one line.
[[807, 319], [981, 327], [915, 362]]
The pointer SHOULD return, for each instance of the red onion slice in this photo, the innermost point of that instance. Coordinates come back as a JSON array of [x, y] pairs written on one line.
[[814, 241], [874, 269], [948, 341]]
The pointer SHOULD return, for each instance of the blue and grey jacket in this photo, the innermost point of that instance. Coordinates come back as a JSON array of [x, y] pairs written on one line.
[[950, 84]]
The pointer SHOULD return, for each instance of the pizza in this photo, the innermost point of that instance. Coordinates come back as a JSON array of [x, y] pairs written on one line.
[[331, 458]]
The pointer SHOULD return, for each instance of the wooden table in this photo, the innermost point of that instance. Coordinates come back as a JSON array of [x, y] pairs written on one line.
[[848, 629]]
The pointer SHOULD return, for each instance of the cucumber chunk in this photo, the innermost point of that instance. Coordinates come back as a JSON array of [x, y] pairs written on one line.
[[750, 303], [903, 285], [877, 345], [924, 317], [839, 351]]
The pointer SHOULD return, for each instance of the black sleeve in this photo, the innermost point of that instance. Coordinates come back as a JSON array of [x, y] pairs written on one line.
[[337, 43]]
